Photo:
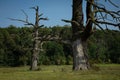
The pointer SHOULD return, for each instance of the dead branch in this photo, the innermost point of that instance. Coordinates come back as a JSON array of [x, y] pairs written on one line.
[[26, 23], [55, 38], [70, 21], [113, 4], [25, 15], [102, 10], [35, 8], [40, 15], [108, 23], [99, 26], [41, 26], [43, 18]]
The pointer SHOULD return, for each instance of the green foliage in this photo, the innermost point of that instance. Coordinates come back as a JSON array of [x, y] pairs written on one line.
[[13, 46], [105, 47], [16, 46], [54, 52]]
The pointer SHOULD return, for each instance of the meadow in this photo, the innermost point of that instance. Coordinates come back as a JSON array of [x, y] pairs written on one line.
[[61, 72]]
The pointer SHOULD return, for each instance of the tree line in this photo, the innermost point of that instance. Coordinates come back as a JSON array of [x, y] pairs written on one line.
[[16, 46]]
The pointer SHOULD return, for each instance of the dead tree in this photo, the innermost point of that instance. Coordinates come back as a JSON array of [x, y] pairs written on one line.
[[36, 39], [81, 33], [36, 42]]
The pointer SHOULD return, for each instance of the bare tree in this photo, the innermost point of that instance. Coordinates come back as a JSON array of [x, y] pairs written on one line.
[[36, 39], [35, 51], [96, 15]]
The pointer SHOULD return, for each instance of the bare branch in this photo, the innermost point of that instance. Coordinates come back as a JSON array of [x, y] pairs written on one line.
[[103, 19], [112, 13], [41, 26], [43, 18], [113, 4], [56, 38], [98, 26], [70, 21], [67, 21], [25, 15], [102, 9], [108, 23], [33, 8], [26, 23], [40, 14]]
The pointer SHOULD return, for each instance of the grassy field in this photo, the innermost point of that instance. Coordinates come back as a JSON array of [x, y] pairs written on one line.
[[64, 72]]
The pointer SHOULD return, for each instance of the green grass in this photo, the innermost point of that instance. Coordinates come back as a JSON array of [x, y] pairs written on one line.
[[64, 72]]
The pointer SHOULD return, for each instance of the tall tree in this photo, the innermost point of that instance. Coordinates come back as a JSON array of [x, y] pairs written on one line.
[[35, 51], [79, 37], [81, 33], [36, 39]]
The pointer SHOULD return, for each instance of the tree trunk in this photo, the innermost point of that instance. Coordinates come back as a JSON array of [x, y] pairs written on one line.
[[35, 52], [80, 58]]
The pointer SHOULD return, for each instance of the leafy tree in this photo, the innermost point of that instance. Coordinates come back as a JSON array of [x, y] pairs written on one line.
[[102, 47], [55, 53], [113, 44]]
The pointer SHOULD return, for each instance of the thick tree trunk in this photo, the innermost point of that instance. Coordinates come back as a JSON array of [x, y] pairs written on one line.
[[80, 59], [79, 36], [35, 53]]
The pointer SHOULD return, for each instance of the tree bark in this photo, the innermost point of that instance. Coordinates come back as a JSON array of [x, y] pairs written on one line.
[[80, 58], [35, 52]]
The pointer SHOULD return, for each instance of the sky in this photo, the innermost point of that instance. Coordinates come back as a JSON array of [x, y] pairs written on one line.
[[54, 10]]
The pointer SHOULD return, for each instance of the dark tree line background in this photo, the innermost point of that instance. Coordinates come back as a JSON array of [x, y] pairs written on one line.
[[16, 46]]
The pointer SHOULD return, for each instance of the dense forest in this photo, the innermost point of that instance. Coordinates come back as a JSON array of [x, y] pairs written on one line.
[[16, 46]]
